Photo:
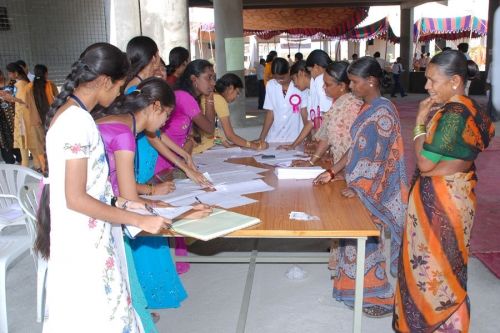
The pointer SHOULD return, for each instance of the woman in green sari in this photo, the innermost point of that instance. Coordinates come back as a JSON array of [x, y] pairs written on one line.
[[431, 294]]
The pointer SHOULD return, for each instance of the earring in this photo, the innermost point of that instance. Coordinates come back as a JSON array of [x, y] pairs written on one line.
[[454, 87], [371, 85]]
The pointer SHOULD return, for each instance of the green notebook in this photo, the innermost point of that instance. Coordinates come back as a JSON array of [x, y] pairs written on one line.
[[221, 222]]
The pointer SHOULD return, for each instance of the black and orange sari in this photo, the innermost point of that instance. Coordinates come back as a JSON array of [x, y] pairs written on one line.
[[431, 294]]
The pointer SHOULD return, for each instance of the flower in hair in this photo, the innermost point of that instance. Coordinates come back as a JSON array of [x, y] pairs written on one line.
[[137, 91]]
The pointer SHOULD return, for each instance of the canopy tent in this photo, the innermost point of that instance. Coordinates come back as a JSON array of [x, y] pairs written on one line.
[[450, 28], [329, 21], [380, 30], [300, 22]]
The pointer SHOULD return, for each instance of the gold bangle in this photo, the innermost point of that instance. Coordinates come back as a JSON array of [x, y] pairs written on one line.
[[318, 157], [311, 162], [418, 135], [248, 144], [151, 189], [419, 129]]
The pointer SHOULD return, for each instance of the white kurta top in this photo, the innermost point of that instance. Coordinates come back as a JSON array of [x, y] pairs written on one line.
[[87, 289], [287, 124], [317, 96]]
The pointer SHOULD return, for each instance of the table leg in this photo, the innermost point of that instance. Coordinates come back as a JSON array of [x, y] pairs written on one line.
[[245, 303], [360, 277]]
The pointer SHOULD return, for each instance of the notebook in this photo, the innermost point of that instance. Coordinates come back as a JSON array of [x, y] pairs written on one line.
[[221, 222]]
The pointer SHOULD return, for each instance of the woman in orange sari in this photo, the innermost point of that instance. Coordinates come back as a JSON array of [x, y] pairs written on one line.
[[39, 96], [431, 294]]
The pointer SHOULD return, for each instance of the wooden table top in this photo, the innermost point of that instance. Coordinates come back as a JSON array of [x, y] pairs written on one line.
[[339, 216]]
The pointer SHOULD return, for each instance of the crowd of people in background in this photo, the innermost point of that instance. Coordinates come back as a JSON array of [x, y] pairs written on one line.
[[121, 120]]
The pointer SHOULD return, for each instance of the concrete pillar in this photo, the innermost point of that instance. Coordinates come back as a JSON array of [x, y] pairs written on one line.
[[167, 22], [406, 45], [124, 21], [493, 5], [228, 18]]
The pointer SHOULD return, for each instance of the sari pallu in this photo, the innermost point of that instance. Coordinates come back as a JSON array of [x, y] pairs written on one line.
[[431, 293], [376, 172]]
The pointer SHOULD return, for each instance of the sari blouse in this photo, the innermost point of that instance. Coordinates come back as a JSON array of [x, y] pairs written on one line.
[[459, 130], [337, 124]]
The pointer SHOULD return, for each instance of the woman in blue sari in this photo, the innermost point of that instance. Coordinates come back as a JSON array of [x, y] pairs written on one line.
[[375, 171]]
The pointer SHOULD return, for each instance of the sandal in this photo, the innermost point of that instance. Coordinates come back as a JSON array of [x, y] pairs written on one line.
[[377, 311], [155, 316]]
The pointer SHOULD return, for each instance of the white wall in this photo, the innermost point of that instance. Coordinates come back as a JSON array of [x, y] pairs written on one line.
[[57, 33]]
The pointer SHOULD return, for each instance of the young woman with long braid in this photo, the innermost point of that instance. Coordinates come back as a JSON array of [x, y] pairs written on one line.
[[87, 275]]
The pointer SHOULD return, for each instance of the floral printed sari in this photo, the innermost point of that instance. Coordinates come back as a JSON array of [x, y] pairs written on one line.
[[376, 171], [431, 295]]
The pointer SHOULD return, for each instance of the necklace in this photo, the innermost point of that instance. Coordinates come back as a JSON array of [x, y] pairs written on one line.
[[79, 102]]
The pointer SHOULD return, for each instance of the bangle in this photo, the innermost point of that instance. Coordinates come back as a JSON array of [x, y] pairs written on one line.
[[418, 135], [318, 157], [249, 144], [113, 201], [419, 129], [311, 162], [124, 206], [151, 189], [331, 173]]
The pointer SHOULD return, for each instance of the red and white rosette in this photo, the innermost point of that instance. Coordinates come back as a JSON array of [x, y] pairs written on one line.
[[295, 101]]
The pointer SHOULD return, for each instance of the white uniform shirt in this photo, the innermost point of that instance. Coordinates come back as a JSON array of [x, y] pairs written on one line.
[[287, 124], [317, 96]]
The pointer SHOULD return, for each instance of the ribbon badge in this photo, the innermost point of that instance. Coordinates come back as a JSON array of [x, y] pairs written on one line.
[[316, 118], [295, 101]]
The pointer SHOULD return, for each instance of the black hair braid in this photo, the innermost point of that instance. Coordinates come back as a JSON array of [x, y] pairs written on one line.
[[80, 73]]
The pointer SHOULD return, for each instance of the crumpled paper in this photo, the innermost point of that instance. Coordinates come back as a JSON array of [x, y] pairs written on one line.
[[303, 216], [296, 273]]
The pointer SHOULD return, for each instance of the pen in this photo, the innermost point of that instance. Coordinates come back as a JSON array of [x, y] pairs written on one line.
[[199, 201], [151, 210]]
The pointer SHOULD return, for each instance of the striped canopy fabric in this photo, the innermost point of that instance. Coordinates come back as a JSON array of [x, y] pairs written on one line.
[[301, 22], [450, 28], [380, 29]]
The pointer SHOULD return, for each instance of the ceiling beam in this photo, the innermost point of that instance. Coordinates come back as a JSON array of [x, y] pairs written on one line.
[[256, 4]]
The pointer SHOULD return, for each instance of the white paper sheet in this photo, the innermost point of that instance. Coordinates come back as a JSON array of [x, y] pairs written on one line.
[[246, 187]]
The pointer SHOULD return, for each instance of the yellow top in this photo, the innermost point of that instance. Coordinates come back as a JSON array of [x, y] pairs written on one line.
[[222, 110], [268, 75]]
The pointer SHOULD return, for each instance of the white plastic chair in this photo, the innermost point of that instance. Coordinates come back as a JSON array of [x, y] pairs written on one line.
[[11, 248], [12, 177], [28, 199]]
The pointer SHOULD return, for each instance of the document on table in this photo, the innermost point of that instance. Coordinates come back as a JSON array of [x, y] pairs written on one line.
[[247, 187], [298, 173], [178, 194], [217, 198]]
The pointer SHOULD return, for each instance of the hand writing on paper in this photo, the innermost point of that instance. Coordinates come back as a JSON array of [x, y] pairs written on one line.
[[153, 224], [199, 211], [199, 178]]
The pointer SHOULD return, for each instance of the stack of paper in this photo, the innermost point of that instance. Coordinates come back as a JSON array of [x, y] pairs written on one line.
[[298, 173]]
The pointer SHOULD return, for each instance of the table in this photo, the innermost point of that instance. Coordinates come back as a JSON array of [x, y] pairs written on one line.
[[340, 217]]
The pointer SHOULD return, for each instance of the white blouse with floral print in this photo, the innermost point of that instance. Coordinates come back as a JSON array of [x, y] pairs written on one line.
[[87, 289]]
